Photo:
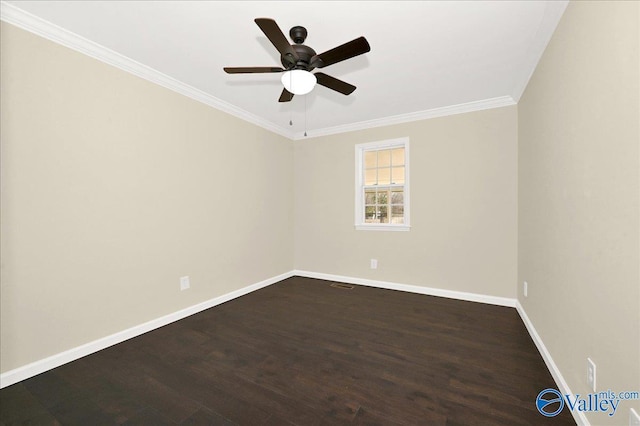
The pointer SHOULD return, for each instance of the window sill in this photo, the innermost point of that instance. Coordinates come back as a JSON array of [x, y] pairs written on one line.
[[383, 227]]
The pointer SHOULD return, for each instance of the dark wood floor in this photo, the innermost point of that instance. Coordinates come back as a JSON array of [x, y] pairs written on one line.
[[302, 352]]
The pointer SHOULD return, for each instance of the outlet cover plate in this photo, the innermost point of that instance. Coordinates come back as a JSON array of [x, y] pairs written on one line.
[[374, 263], [591, 374], [634, 418], [184, 283]]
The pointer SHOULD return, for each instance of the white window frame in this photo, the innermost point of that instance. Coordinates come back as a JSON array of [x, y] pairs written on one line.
[[360, 225]]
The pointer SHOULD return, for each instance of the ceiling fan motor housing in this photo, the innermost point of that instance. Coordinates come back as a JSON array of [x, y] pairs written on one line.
[[305, 53]]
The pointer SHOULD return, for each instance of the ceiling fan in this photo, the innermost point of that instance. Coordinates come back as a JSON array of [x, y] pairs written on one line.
[[299, 60]]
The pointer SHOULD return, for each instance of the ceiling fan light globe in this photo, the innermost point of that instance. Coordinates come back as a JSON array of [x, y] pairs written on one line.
[[299, 82]]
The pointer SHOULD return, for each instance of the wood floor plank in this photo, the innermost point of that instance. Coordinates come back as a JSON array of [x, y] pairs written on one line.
[[50, 389], [205, 417], [147, 417], [301, 352], [19, 406], [115, 400]]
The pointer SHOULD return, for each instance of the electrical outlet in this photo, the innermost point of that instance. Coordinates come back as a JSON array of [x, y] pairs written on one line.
[[374, 263], [591, 374], [634, 418], [184, 283], [525, 288]]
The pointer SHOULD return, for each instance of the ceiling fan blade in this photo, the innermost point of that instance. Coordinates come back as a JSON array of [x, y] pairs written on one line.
[[285, 96], [248, 70], [337, 54], [334, 84], [277, 38]]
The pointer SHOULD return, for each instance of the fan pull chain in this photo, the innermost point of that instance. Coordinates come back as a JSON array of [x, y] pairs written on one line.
[[305, 116]]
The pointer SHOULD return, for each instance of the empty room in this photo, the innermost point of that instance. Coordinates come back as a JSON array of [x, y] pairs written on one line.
[[320, 213]]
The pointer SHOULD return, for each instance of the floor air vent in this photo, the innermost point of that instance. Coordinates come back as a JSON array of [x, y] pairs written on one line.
[[342, 286]]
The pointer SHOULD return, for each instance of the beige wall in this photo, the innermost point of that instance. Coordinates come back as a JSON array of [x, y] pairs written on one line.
[[463, 236], [113, 188], [579, 198]]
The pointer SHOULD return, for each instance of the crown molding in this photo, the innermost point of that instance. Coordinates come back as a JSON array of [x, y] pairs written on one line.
[[29, 22], [498, 102], [552, 14]]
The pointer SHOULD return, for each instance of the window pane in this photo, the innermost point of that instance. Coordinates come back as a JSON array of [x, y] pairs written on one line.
[[370, 215], [370, 177], [384, 158], [397, 175], [370, 159], [370, 196], [384, 176], [383, 214], [397, 197], [383, 197], [397, 214], [397, 157]]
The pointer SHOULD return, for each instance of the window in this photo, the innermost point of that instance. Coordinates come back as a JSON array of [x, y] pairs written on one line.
[[382, 185]]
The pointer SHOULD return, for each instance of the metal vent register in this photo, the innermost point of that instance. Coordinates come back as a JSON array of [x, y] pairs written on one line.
[[342, 286]]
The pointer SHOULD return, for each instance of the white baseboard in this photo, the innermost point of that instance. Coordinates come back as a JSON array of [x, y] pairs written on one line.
[[563, 387], [35, 368], [451, 294]]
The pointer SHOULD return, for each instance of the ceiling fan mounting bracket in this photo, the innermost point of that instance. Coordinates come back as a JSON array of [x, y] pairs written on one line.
[[298, 34]]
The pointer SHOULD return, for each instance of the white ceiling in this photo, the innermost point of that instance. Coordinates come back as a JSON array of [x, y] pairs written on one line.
[[427, 58]]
